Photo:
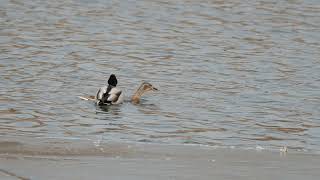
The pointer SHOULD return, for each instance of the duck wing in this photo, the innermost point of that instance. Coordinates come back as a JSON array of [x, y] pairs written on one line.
[[114, 94], [101, 92], [109, 95]]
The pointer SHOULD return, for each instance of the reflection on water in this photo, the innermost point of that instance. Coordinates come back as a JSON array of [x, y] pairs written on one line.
[[230, 73], [114, 110]]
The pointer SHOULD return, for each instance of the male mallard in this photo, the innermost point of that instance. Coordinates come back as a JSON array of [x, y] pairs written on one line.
[[108, 95]]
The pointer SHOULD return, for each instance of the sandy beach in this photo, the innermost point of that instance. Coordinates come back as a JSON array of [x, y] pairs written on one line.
[[56, 159]]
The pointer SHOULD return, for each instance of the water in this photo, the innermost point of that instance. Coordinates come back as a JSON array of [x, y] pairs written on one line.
[[230, 73]]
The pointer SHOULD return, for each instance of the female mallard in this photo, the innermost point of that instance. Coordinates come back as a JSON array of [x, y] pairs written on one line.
[[109, 95], [143, 88]]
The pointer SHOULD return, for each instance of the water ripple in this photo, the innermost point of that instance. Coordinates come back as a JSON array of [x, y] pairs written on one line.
[[230, 73]]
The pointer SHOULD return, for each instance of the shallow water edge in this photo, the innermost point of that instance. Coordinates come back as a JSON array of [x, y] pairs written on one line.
[[80, 159]]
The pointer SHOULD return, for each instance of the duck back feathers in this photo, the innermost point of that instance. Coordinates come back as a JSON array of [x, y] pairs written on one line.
[[108, 95]]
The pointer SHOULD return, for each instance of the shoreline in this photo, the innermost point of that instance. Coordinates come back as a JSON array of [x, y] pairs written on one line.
[[58, 159], [102, 147]]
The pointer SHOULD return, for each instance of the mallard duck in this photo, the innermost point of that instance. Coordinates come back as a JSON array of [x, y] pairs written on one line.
[[110, 94], [143, 88]]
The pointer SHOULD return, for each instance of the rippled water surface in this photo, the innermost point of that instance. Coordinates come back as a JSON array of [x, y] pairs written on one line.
[[230, 73]]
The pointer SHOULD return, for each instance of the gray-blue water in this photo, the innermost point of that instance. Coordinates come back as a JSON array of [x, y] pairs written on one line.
[[230, 72]]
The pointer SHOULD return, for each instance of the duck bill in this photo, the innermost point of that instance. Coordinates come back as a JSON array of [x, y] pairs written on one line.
[[155, 89]]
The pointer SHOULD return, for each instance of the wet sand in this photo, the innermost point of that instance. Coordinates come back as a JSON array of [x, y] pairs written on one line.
[[57, 159]]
